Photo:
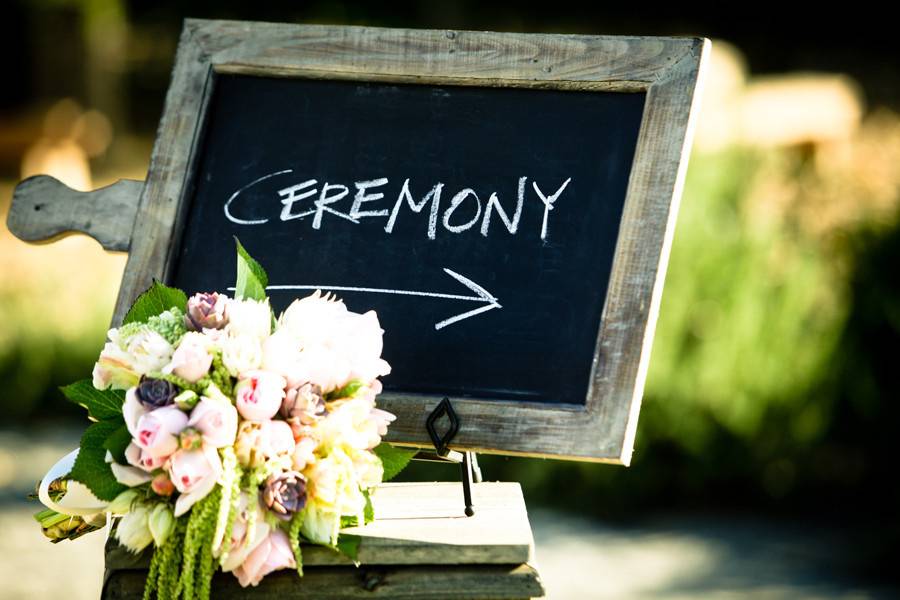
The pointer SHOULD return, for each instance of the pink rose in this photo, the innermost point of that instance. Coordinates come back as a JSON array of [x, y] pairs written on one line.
[[141, 459], [191, 359], [157, 431], [258, 441], [258, 395], [272, 554], [132, 411], [216, 420], [244, 541], [194, 473], [130, 475]]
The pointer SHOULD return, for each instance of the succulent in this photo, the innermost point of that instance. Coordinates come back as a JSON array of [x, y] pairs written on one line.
[[304, 402], [155, 393], [284, 494], [206, 311]]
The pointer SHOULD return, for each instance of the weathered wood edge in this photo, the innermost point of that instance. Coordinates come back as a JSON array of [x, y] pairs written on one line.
[[156, 225], [44, 209], [633, 299], [440, 582], [682, 90]]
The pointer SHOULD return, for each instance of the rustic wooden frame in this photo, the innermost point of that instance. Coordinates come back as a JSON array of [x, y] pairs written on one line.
[[667, 69]]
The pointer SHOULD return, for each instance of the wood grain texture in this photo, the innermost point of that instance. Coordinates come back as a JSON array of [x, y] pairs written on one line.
[[44, 210], [421, 523], [668, 70], [461, 582]]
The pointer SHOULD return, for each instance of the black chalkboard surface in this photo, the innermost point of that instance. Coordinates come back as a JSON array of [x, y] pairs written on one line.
[[480, 223]]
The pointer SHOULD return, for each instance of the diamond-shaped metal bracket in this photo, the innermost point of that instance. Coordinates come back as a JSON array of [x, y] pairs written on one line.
[[468, 463], [442, 442]]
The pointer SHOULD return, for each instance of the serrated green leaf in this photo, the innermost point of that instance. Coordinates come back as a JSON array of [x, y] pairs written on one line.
[[91, 467], [251, 277], [117, 442], [157, 299], [393, 459], [348, 545], [100, 404]]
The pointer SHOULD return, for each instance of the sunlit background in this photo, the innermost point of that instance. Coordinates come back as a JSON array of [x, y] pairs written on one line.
[[764, 464]]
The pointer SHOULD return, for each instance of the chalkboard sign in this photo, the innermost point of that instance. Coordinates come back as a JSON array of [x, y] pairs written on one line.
[[505, 202], [480, 223]]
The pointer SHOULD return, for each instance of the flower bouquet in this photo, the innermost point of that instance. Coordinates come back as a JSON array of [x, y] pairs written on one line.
[[226, 438]]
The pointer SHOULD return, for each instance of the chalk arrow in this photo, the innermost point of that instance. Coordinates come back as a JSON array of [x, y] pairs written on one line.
[[481, 295]]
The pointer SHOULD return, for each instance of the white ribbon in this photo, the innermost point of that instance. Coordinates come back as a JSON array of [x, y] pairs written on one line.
[[78, 499]]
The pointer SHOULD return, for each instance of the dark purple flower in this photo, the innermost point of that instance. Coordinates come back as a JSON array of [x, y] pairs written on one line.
[[285, 494], [206, 311], [155, 393]]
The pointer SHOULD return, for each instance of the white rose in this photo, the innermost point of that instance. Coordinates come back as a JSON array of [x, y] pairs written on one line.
[[249, 318], [241, 353], [149, 350], [125, 358]]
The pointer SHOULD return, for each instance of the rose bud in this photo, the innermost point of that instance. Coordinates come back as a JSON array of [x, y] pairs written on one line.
[[206, 311], [157, 431], [161, 523], [155, 393], [190, 439], [122, 503], [304, 402], [162, 485], [187, 400], [133, 531], [194, 473], [191, 360], [285, 494], [258, 395], [216, 420]]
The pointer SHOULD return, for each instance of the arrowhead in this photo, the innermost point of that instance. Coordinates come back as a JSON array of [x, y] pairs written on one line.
[[482, 293]]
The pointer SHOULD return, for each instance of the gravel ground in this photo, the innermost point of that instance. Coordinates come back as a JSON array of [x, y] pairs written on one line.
[[672, 557]]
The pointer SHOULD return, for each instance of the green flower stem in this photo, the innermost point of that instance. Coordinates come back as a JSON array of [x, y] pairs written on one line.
[[294, 534]]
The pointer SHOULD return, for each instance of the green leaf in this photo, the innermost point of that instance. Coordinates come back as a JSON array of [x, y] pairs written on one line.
[[101, 404], [159, 298], [348, 545], [369, 513], [251, 277], [348, 391], [91, 467], [117, 443], [393, 459]]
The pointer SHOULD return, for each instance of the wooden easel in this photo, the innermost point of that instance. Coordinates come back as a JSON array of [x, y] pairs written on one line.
[[422, 544]]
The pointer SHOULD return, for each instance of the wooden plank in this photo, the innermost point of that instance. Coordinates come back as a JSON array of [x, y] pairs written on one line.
[[469, 582], [422, 523], [44, 210]]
